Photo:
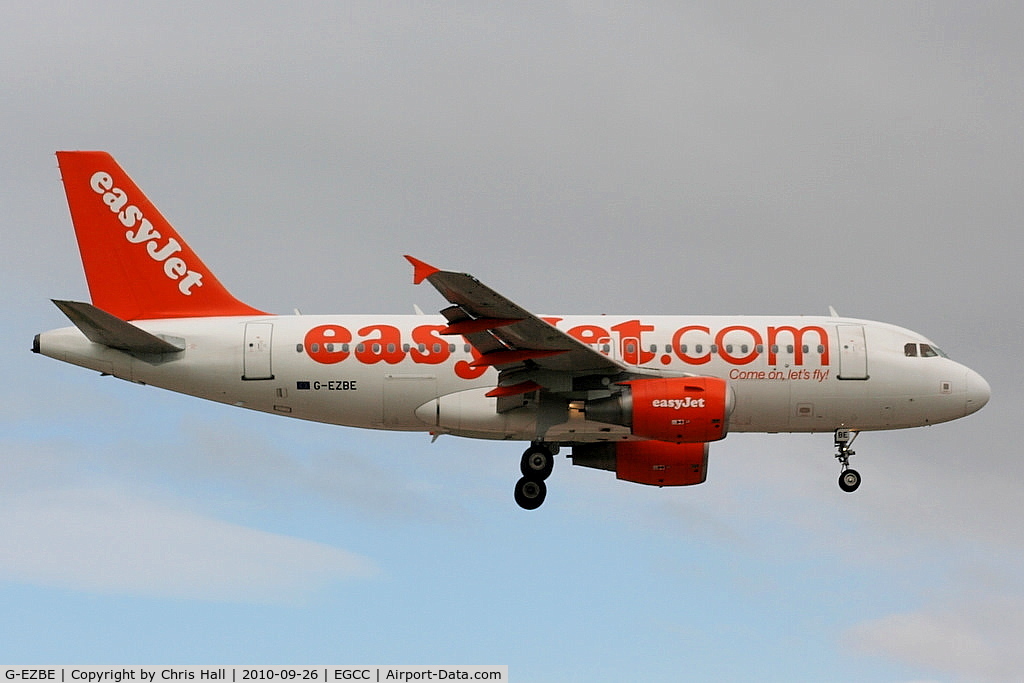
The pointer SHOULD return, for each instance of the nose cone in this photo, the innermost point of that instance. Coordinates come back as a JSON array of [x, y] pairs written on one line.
[[978, 392]]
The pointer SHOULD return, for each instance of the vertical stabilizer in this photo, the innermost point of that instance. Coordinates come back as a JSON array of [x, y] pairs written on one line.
[[136, 264]]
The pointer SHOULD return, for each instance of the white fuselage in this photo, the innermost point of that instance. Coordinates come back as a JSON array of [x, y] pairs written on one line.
[[788, 374]]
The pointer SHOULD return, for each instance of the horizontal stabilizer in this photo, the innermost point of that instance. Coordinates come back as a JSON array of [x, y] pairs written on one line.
[[103, 328]]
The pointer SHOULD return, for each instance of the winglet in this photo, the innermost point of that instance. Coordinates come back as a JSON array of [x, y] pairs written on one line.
[[420, 270]]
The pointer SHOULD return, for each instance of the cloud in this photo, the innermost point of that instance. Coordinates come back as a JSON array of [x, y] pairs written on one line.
[[973, 642], [107, 540], [344, 474]]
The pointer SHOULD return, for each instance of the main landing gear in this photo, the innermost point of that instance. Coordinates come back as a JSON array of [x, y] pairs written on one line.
[[536, 466], [849, 479]]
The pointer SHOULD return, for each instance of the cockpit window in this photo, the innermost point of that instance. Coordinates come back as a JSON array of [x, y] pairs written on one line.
[[912, 350]]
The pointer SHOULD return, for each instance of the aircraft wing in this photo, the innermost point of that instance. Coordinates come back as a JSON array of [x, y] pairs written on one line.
[[529, 352]]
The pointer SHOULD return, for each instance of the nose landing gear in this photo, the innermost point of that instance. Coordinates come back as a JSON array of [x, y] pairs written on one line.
[[849, 479], [536, 466]]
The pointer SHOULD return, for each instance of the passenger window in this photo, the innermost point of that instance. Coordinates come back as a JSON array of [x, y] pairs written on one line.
[[910, 350]]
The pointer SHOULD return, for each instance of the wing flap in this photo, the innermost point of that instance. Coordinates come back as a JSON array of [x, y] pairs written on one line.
[[469, 325]]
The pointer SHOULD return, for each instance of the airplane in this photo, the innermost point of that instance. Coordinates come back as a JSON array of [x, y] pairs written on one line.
[[640, 396]]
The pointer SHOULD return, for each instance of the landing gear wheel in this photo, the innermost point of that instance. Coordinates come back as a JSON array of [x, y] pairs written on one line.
[[537, 463], [849, 480], [530, 493]]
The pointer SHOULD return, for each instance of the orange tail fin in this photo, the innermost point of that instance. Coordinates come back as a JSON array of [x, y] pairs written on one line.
[[136, 264]]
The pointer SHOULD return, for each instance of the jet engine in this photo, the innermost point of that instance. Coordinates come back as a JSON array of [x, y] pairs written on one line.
[[673, 409], [655, 463]]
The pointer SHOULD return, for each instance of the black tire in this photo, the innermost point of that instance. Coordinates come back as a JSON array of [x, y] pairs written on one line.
[[849, 480], [537, 463], [530, 493]]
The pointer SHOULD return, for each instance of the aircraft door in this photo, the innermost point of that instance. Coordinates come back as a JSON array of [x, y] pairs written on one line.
[[256, 351], [853, 352]]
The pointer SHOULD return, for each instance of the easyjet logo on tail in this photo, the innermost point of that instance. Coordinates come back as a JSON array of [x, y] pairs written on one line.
[[141, 231]]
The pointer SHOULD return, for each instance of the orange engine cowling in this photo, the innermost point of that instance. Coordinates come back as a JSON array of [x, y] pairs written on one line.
[[672, 409], [647, 462]]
